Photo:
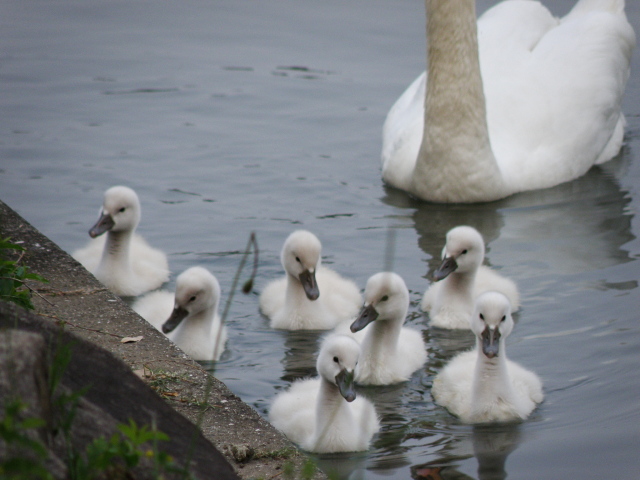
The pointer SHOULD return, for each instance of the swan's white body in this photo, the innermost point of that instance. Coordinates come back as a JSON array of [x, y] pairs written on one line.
[[314, 413], [309, 296], [553, 90], [121, 259], [450, 301], [196, 301], [390, 352], [482, 385]]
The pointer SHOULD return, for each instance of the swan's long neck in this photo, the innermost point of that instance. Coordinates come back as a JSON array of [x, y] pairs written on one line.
[[491, 382], [115, 256], [331, 408], [455, 158], [295, 292], [461, 284], [201, 321], [381, 341], [197, 328]]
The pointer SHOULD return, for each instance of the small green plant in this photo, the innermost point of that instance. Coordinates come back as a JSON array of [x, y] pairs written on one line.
[[113, 457], [162, 381], [13, 276], [26, 456], [116, 456]]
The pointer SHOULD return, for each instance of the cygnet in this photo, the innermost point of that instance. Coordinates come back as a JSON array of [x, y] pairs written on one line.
[[482, 385], [190, 316], [122, 260], [309, 296], [390, 352], [461, 278], [322, 414]]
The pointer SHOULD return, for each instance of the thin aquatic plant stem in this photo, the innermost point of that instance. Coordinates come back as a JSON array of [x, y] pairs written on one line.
[[246, 289]]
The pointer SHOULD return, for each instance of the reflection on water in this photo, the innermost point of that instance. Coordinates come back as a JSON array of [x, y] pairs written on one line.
[[491, 446], [300, 350], [592, 207], [546, 237]]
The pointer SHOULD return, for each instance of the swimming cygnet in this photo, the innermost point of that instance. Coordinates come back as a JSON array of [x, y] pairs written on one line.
[[122, 260], [190, 316], [482, 385], [390, 352], [309, 296], [322, 414], [461, 278]]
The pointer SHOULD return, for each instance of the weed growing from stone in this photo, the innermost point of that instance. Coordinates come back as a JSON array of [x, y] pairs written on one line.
[[25, 454], [14, 276]]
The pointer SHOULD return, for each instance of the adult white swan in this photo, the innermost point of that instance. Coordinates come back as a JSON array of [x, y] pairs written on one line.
[[190, 316], [482, 385], [123, 261], [309, 296], [525, 101], [322, 414]]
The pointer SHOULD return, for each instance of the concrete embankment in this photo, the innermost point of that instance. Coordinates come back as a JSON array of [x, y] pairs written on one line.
[[88, 310]]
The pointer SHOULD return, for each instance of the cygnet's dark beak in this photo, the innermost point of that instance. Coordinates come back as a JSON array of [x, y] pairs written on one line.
[[309, 284], [367, 315], [447, 266], [104, 223], [345, 383], [174, 320], [491, 342]]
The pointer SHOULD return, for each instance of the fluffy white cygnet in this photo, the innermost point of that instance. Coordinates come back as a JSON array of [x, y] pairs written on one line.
[[482, 385], [390, 352], [122, 260], [190, 316], [461, 278], [322, 414], [309, 296]]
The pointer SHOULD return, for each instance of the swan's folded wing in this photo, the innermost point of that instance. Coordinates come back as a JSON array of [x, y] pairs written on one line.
[[293, 412], [452, 386], [429, 296], [149, 264], [489, 280], [526, 382], [272, 297], [413, 353], [155, 307], [90, 255], [554, 102], [342, 296]]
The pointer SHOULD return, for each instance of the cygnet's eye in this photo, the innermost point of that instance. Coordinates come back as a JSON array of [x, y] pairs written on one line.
[[481, 317], [385, 298], [192, 299], [504, 317], [122, 209], [298, 260], [336, 359], [464, 251]]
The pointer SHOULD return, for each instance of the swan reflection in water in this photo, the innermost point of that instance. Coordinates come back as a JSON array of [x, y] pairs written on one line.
[[538, 240], [491, 445], [540, 232]]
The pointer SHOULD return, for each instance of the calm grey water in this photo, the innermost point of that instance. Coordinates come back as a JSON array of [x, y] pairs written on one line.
[[235, 116]]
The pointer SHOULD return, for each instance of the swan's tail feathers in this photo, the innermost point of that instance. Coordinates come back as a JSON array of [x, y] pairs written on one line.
[[615, 142]]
